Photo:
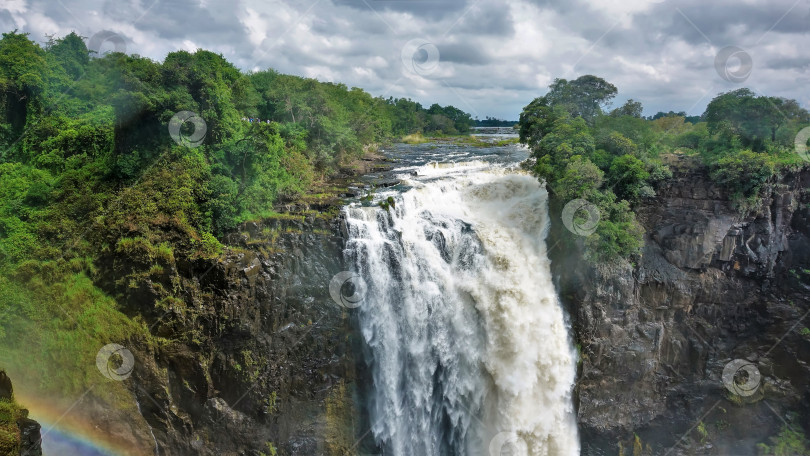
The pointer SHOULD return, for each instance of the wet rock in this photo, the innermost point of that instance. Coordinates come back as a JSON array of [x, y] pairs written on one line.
[[30, 438], [257, 346], [6, 390], [711, 286], [387, 183]]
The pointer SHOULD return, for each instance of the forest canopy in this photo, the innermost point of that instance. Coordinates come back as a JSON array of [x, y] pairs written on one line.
[[613, 159], [122, 164], [78, 126]]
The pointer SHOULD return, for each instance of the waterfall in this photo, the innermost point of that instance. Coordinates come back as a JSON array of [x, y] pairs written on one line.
[[465, 338], [151, 431]]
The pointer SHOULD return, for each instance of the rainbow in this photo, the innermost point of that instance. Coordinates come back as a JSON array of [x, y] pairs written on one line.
[[66, 435]]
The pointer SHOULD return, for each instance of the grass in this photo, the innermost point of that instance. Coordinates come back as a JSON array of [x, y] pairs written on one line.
[[10, 412], [415, 138], [54, 328], [507, 142]]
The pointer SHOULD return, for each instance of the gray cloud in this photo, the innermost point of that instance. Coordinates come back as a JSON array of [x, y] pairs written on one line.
[[464, 53], [430, 10], [494, 57]]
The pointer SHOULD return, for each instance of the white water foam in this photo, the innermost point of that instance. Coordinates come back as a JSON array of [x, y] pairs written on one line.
[[465, 337]]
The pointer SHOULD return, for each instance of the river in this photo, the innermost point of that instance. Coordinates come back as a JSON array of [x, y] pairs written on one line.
[[467, 345]]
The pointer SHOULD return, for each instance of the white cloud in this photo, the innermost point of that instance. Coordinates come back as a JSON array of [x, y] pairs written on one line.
[[255, 26], [15, 6]]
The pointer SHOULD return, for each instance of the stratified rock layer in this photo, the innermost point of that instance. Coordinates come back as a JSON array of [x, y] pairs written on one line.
[[712, 286]]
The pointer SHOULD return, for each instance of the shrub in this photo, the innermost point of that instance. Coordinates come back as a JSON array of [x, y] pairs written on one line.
[[10, 412], [789, 442], [628, 176], [744, 174]]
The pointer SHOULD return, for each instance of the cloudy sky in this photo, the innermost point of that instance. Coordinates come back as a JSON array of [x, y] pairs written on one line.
[[487, 57]]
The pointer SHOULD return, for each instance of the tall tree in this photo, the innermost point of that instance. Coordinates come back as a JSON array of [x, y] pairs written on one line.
[[22, 70], [70, 53], [630, 108], [755, 120], [538, 119], [583, 97]]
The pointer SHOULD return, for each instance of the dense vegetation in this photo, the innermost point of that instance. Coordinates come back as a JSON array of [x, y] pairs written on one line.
[[613, 159], [493, 122], [91, 179], [10, 412]]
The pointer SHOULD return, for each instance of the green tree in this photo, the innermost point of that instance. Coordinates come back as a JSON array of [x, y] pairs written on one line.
[[22, 81], [745, 174], [789, 442], [70, 53], [628, 176], [583, 97], [754, 119], [580, 178], [630, 108], [556, 148], [538, 119], [618, 234]]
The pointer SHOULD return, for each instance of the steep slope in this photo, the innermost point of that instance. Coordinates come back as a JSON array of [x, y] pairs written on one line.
[[712, 286]]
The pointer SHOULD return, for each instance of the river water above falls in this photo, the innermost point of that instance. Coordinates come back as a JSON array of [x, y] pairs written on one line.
[[465, 340]]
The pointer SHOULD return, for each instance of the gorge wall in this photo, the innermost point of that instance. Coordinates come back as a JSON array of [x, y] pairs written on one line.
[[711, 286], [254, 350], [252, 353]]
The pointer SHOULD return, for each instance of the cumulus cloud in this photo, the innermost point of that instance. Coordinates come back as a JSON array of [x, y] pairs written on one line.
[[493, 57]]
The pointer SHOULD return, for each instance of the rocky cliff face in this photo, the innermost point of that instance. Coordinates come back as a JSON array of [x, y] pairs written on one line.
[[280, 363], [712, 286], [254, 353]]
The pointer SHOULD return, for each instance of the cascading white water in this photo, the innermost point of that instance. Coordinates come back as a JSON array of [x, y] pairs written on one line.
[[465, 337]]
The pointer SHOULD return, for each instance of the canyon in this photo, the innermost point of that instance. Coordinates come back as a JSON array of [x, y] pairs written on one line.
[[262, 357]]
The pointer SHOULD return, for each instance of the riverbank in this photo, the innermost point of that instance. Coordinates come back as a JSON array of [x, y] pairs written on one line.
[[504, 137]]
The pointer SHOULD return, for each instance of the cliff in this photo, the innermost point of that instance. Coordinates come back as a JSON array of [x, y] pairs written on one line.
[[271, 362], [711, 287], [250, 354], [246, 352]]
